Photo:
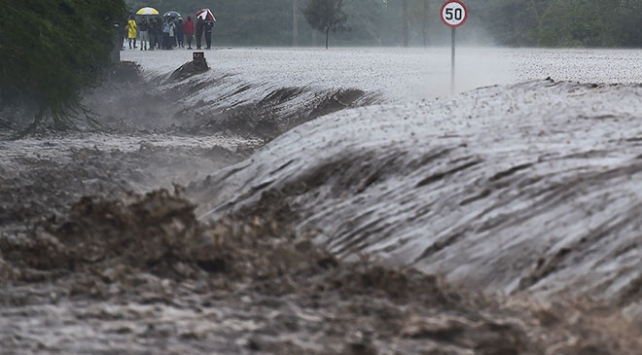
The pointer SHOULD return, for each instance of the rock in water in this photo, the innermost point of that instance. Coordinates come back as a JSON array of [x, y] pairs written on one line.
[[197, 66]]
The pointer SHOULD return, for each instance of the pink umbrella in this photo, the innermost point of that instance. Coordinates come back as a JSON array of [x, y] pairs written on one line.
[[205, 14]]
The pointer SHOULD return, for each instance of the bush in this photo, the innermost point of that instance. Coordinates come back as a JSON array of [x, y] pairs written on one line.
[[51, 49]]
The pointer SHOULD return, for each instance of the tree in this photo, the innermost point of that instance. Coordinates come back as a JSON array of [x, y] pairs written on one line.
[[367, 19], [424, 22], [405, 23], [295, 23], [325, 16], [50, 50]]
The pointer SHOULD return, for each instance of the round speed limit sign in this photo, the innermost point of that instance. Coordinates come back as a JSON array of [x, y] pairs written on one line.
[[454, 13]]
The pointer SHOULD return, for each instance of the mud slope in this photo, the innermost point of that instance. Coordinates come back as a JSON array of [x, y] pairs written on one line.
[[215, 102], [531, 187], [141, 275]]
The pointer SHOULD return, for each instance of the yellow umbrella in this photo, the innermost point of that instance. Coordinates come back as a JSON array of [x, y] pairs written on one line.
[[147, 11]]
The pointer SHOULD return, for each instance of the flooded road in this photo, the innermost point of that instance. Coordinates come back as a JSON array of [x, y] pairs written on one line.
[[302, 199]]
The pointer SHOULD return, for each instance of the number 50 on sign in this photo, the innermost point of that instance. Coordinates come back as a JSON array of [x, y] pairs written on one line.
[[454, 13]]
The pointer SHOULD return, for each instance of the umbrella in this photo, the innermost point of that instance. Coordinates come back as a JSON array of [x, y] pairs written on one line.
[[172, 14], [205, 14], [147, 11]]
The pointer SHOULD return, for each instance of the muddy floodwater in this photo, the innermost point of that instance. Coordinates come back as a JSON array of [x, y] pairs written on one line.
[[308, 201]]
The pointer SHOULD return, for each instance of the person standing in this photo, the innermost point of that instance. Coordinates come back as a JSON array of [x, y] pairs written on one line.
[[131, 31], [200, 24], [209, 26], [179, 33], [188, 31], [160, 41], [172, 33], [166, 29], [154, 33], [143, 30]]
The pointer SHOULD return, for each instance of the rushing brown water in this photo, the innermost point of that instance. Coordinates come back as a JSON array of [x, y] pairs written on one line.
[[517, 202]]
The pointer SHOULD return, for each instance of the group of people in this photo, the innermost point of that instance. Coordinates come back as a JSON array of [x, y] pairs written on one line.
[[168, 33]]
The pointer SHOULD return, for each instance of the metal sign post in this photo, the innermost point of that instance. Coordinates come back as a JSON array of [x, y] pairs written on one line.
[[453, 14], [452, 62]]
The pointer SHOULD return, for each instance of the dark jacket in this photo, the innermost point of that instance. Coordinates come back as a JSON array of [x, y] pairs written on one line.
[[199, 26], [209, 25], [143, 26]]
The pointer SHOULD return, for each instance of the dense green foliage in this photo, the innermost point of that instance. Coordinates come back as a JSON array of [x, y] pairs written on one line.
[[51, 49], [325, 16], [587, 23], [590, 23]]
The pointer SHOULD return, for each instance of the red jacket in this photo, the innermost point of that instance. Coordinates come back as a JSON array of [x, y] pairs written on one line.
[[188, 27]]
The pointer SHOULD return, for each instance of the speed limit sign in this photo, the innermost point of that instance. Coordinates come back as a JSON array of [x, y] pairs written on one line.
[[454, 13]]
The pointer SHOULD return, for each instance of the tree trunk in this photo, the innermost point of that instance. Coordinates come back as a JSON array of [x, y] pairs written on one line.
[[405, 30], [425, 23], [327, 36], [117, 44], [295, 23]]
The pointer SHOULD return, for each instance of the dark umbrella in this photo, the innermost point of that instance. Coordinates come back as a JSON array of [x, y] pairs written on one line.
[[173, 14]]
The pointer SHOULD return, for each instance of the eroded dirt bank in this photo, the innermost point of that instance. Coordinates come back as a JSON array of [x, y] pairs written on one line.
[[530, 188], [142, 275], [91, 263]]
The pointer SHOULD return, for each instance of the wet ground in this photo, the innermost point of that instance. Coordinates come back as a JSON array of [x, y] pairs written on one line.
[[141, 275], [101, 250]]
